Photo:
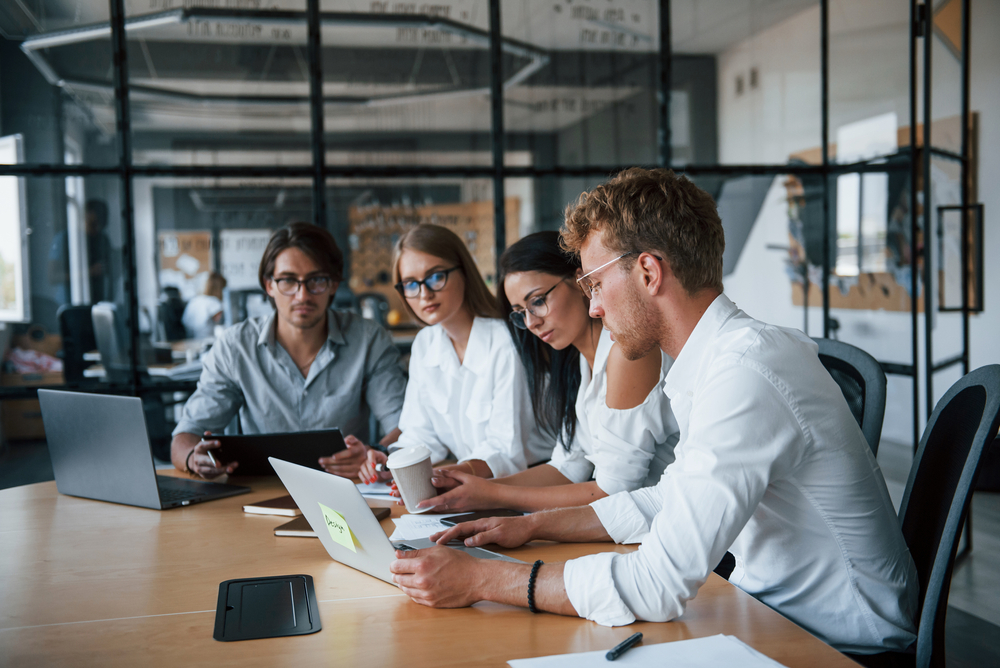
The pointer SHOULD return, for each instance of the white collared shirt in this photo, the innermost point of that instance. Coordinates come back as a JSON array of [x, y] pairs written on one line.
[[479, 409], [771, 466], [622, 450]]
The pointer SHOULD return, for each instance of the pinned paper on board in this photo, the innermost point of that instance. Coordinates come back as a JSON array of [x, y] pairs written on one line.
[[339, 531]]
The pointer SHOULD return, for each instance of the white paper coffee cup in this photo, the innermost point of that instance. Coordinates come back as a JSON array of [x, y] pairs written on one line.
[[411, 469]]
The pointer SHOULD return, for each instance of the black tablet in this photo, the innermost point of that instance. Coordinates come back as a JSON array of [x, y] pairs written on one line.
[[299, 447]]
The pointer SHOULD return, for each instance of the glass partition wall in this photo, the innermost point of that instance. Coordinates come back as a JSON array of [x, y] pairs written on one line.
[[162, 140]]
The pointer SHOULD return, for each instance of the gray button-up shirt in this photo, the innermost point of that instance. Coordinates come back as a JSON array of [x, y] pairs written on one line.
[[247, 370]]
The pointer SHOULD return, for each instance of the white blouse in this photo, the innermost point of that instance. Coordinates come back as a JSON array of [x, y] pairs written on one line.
[[622, 450], [477, 409]]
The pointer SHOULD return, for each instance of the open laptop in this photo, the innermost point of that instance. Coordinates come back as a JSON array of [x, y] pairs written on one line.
[[100, 450], [373, 551]]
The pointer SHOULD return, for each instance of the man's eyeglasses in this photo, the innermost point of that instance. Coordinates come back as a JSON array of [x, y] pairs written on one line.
[[537, 306], [593, 288], [433, 282], [316, 285]]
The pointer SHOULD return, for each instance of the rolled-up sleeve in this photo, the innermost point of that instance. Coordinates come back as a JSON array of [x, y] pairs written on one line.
[[626, 516], [592, 592], [625, 442], [385, 386], [218, 396]]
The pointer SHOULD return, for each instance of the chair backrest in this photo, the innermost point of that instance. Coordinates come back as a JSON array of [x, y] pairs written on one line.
[[938, 493], [170, 314], [862, 381], [77, 331], [110, 341]]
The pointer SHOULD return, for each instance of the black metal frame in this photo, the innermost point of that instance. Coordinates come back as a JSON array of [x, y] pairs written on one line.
[[967, 253], [319, 171]]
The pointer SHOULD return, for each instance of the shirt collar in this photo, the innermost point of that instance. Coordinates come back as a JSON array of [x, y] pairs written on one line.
[[334, 334], [683, 373], [477, 351]]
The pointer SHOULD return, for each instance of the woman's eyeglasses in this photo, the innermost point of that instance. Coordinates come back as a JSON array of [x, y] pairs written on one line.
[[316, 285], [433, 282], [537, 306]]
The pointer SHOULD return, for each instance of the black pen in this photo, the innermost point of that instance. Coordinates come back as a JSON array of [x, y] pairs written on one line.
[[623, 646]]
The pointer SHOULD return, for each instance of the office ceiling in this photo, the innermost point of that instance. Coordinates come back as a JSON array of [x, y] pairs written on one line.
[[198, 69]]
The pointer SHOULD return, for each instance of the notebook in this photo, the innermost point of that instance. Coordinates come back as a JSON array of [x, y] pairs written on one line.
[[100, 450]]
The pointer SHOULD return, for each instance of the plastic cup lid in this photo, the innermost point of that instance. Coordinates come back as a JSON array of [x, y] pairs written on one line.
[[408, 456]]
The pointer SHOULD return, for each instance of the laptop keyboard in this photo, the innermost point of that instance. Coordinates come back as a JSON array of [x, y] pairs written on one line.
[[171, 492]]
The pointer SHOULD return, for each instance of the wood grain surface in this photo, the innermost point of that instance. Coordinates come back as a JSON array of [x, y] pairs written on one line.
[[88, 583]]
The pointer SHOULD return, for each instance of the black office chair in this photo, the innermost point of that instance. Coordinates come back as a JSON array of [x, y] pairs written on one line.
[[77, 331], [937, 499], [862, 381], [170, 314]]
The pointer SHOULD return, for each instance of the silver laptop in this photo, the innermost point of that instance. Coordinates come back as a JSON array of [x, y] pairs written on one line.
[[100, 450], [373, 552]]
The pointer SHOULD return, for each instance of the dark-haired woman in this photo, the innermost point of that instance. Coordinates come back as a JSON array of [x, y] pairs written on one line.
[[615, 427], [467, 397]]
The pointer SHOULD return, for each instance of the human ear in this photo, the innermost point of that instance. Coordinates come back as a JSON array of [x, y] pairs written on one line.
[[652, 272]]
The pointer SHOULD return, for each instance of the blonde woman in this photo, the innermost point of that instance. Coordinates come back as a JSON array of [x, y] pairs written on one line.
[[467, 398]]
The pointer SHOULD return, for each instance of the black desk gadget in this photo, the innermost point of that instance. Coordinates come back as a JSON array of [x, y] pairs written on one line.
[[301, 447], [271, 607]]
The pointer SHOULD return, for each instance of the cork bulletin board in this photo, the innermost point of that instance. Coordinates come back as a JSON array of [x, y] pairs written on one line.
[[374, 231]]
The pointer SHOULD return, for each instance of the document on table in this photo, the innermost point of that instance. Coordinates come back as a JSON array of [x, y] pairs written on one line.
[[376, 490], [720, 650], [412, 527]]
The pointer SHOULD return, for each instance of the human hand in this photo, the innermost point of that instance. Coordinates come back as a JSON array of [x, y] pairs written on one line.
[[368, 472], [438, 577], [202, 463], [466, 492], [442, 482], [346, 463], [503, 531]]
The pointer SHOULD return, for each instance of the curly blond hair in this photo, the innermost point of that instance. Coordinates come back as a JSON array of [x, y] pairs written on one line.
[[653, 210]]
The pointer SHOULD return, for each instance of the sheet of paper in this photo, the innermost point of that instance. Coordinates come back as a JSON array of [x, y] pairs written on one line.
[[412, 527], [375, 490], [707, 652], [338, 528]]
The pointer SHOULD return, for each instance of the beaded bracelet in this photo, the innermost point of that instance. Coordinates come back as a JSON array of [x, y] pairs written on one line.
[[531, 586]]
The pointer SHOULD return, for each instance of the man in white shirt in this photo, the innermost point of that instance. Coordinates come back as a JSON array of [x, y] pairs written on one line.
[[770, 464]]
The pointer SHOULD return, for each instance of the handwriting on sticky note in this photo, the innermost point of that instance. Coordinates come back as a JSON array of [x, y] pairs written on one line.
[[337, 526]]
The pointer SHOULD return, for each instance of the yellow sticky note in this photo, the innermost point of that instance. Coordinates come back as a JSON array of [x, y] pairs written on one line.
[[337, 526]]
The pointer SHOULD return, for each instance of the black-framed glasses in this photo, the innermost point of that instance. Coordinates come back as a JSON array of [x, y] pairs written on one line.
[[538, 306], [434, 282], [316, 285]]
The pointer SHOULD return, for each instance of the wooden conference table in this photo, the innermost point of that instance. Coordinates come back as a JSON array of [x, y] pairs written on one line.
[[90, 583]]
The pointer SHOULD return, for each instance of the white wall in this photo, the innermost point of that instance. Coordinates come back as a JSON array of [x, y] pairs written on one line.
[[869, 76]]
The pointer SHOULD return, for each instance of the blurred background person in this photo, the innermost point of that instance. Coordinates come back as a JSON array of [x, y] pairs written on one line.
[[99, 257], [204, 311]]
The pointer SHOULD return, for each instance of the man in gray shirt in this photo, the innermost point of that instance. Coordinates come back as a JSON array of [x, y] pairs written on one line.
[[302, 368]]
